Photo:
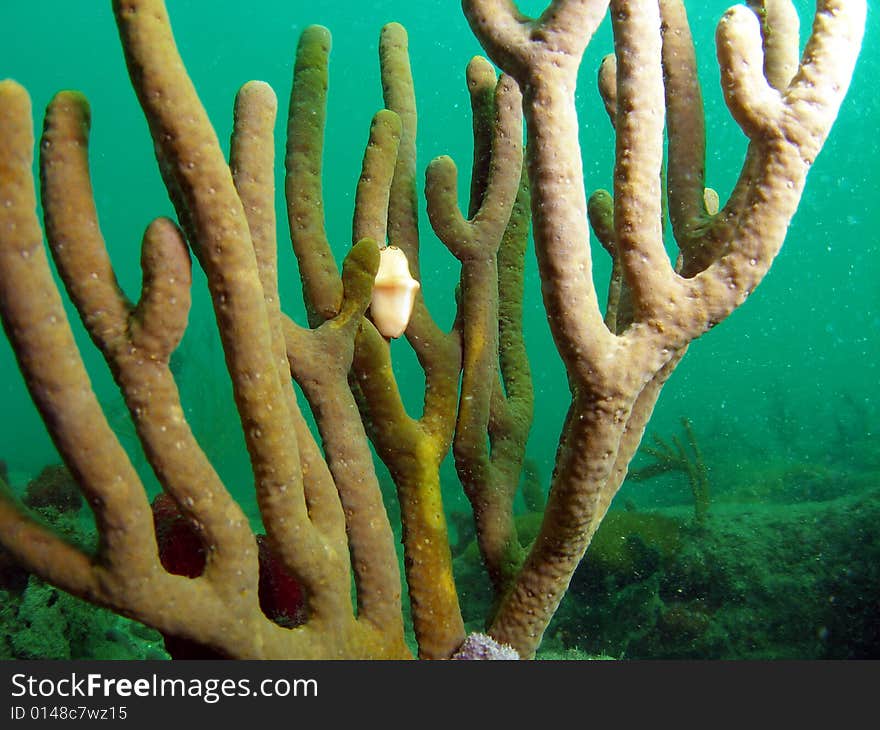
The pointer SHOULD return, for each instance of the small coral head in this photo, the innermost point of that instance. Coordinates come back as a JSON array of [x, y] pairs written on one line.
[[482, 647], [394, 293]]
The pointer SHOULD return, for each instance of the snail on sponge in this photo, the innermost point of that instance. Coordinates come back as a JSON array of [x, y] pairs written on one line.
[[394, 293]]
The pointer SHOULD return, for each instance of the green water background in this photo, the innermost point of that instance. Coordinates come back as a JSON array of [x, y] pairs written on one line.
[[788, 373]]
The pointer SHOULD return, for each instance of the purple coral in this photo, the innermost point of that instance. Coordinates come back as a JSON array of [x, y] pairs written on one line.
[[484, 647]]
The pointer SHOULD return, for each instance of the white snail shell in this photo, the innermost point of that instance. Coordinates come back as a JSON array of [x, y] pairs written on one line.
[[711, 201], [394, 293]]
